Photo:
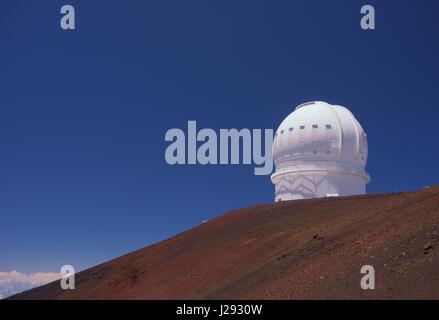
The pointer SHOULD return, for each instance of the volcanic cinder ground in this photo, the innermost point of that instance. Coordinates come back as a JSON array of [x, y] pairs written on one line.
[[310, 249]]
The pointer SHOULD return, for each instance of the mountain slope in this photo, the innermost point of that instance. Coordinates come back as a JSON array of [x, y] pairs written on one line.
[[310, 249]]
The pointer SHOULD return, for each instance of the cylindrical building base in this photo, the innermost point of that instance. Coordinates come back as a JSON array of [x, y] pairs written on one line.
[[294, 186]]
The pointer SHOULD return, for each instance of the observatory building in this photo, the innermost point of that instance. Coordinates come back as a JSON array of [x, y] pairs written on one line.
[[319, 150]]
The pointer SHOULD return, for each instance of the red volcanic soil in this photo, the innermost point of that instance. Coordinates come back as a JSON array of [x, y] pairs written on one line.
[[310, 249]]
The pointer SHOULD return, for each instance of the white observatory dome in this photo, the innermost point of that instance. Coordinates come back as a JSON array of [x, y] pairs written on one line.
[[319, 150]]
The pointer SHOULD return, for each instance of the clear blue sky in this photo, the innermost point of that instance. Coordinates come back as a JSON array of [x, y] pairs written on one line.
[[83, 113]]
